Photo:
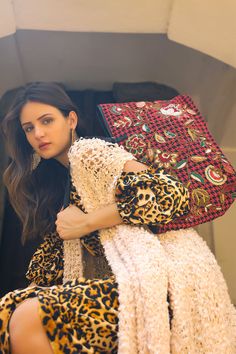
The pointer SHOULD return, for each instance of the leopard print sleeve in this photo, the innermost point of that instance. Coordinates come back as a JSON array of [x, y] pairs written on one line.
[[46, 265], [150, 197]]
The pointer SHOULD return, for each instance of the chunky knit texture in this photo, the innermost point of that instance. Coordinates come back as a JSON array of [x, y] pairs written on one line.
[[146, 266]]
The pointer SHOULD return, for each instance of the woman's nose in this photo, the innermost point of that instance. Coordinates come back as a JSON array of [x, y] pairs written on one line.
[[38, 132]]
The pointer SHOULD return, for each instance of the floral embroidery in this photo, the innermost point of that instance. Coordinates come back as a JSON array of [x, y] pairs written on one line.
[[171, 110], [215, 176], [140, 104], [165, 159], [146, 128], [200, 197], [197, 177], [227, 167], [197, 158], [171, 134], [181, 164], [136, 143], [123, 122], [159, 138], [116, 110], [194, 134]]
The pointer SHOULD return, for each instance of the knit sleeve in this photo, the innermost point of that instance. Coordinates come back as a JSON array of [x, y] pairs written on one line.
[[95, 167], [46, 265], [150, 197]]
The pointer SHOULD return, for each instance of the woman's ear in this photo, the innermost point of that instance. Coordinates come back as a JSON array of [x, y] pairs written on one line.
[[73, 119]]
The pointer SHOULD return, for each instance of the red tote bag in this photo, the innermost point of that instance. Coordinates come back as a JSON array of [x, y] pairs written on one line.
[[173, 134]]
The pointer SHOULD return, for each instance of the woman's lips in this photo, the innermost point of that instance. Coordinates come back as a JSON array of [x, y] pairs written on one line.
[[44, 146]]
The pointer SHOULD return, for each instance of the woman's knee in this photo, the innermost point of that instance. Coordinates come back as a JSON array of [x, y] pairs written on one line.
[[24, 321]]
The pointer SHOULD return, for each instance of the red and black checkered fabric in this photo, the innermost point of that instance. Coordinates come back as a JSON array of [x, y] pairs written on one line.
[[172, 134]]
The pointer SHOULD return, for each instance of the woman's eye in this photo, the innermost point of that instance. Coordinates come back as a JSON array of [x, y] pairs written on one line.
[[47, 121], [28, 129]]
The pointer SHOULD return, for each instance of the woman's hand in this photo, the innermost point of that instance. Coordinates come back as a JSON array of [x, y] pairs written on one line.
[[72, 223]]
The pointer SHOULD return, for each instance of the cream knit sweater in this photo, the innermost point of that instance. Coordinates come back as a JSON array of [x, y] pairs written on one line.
[[146, 266]]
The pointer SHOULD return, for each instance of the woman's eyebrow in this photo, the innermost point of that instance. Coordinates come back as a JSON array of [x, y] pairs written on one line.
[[37, 119]]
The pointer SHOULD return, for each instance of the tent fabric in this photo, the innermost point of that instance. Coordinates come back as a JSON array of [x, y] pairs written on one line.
[[211, 26]]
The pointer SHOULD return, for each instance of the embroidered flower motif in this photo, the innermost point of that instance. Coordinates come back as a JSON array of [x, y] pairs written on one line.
[[146, 128], [171, 110], [159, 138], [200, 197], [227, 167], [215, 176], [123, 122], [136, 143], [140, 104], [116, 110], [195, 134], [165, 159]]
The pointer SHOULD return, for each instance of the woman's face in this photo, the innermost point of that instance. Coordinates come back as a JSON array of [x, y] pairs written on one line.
[[47, 130]]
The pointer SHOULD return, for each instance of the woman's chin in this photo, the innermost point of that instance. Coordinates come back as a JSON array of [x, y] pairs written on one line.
[[47, 156]]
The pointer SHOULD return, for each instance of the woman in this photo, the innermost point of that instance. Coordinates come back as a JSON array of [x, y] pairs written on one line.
[[105, 292]]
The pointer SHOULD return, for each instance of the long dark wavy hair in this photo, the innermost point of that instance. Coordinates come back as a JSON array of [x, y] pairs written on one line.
[[36, 195]]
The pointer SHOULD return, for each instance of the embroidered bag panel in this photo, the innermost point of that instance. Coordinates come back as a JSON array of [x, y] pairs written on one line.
[[172, 134]]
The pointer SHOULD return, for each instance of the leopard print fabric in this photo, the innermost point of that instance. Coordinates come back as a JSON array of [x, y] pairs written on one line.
[[45, 270], [81, 316], [150, 197], [78, 317], [46, 265]]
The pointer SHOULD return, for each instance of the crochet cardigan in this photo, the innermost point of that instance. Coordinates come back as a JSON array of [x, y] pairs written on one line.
[[147, 266]]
